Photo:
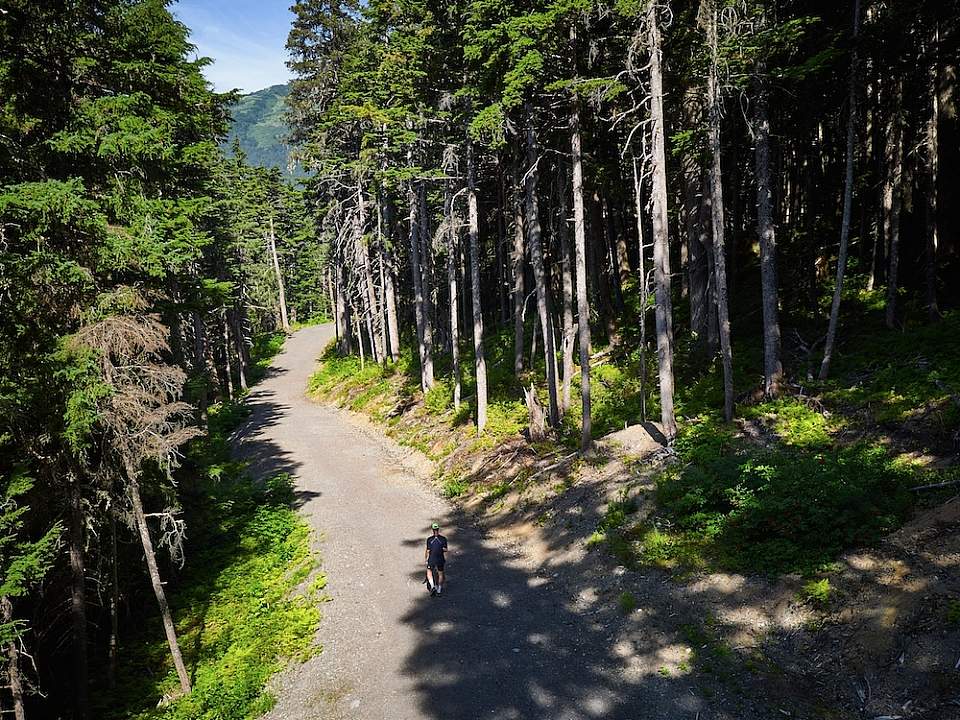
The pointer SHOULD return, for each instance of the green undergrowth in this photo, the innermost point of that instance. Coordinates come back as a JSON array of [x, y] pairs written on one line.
[[246, 602], [899, 377], [796, 481], [787, 487]]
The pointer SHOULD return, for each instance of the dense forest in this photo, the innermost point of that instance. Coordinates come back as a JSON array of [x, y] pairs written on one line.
[[505, 193], [642, 171]]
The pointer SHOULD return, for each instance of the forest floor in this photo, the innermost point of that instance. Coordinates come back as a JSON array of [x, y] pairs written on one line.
[[672, 632]]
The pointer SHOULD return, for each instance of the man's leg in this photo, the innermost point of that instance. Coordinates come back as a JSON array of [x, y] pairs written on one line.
[[441, 577]]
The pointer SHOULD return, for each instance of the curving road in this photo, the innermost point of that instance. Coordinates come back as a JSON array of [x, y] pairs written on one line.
[[505, 641]]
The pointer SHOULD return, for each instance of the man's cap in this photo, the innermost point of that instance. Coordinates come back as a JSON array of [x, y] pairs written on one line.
[[435, 526]]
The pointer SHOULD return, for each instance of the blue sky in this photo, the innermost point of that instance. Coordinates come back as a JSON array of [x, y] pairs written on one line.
[[245, 38]]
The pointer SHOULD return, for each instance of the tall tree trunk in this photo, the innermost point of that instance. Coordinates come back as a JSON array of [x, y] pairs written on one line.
[[698, 277], [644, 293], [378, 339], [227, 366], [539, 271], [474, 223], [359, 326], [334, 311], [452, 258], [932, 153], [426, 264], [623, 255], [424, 331], [772, 366], [237, 326], [716, 203], [599, 261], [14, 681], [873, 111], [706, 235], [150, 556], [893, 198], [503, 282], [281, 293], [390, 291], [661, 248], [847, 202], [389, 284], [368, 296], [345, 331], [78, 602], [199, 361], [566, 281], [517, 272]]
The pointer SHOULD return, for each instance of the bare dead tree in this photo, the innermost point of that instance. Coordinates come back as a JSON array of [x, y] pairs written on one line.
[[661, 249], [480, 364], [772, 365], [281, 292], [517, 273], [143, 422]]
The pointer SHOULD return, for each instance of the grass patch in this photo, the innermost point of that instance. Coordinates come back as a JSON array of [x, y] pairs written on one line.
[[454, 487], [240, 605], [238, 615], [615, 530]]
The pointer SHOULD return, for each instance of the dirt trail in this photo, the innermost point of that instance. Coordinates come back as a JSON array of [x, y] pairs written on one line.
[[508, 640]]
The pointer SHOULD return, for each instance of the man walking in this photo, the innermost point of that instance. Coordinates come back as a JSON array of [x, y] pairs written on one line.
[[434, 557]]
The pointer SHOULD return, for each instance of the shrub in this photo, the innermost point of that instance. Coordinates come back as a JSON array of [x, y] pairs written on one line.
[[817, 592], [438, 399], [506, 418], [627, 602], [454, 487], [783, 510]]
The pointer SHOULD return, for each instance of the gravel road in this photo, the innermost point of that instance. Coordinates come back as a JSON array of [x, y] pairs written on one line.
[[508, 640]]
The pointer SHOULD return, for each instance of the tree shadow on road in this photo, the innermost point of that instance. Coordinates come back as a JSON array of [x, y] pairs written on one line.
[[505, 642]]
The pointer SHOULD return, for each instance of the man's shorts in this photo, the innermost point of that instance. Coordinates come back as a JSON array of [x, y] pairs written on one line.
[[436, 564]]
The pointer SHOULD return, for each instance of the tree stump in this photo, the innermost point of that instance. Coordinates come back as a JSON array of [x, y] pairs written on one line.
[[537, 424]]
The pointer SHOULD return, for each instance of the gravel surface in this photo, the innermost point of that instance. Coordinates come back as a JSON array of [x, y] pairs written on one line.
[[507, 639]]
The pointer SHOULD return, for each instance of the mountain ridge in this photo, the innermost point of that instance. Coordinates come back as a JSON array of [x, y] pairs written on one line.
[[260, 126]]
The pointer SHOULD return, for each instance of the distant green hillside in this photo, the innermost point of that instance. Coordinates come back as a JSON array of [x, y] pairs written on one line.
[[259, 124]]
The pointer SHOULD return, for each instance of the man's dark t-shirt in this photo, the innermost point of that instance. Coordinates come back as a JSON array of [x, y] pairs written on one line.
[[436, 546]]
